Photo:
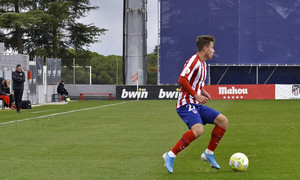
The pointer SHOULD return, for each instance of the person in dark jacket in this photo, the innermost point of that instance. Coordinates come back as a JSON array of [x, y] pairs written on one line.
[[2, 90], [3, 95], [5, 90], [18, 77], [62, 90]]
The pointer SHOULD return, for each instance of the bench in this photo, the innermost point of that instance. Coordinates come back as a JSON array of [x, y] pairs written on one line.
[[57, 97], [100, 94]]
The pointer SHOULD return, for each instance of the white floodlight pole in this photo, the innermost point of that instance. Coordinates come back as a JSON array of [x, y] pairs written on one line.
[[74, 70], [117, 73], [137, 87], [90, 75]]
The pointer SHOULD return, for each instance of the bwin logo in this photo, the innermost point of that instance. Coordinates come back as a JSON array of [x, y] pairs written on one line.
[[142, 93], [168, 94]]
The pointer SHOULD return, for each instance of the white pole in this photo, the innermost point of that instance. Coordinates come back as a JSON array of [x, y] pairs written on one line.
[[256, 74], [158, 43], [74, 70], [90, 75], [137, 87], [117, 76]]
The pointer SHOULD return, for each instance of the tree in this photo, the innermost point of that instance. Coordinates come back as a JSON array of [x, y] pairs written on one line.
[[151, 69], [104, 68], [47, 27], [15, 21], [65, 32], [152, 66]]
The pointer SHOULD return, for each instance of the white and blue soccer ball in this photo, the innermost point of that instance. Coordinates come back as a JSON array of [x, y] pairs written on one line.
[[239, 162]]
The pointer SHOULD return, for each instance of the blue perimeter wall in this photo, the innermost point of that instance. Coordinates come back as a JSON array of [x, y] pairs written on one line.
[[246, 32]]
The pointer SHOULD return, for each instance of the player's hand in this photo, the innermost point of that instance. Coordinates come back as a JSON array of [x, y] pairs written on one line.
[[206, 94], [201, 99]]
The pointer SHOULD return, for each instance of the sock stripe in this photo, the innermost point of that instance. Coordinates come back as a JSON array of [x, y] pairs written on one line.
[[184, 142], [215, 136]]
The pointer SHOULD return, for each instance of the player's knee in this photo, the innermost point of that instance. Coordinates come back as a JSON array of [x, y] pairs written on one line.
[[198, 130], [221, 121], [225, 122]]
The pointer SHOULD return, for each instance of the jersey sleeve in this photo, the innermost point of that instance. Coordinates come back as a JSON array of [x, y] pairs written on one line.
[[189, 68], [186, 85]]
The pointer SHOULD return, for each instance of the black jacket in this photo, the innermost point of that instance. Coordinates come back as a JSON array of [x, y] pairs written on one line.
[[60, 88], [18, 80], [6, 89], [2, 88], [2, 91]]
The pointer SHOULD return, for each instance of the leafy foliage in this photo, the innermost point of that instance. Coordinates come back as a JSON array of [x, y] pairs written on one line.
[[104, 68], [46, 27]]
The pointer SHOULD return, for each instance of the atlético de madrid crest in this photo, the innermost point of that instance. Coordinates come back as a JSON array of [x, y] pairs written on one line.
[[296, 89]]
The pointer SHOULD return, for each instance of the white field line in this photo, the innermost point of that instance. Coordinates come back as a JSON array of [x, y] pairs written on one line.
[[43, 111], [67, 112]]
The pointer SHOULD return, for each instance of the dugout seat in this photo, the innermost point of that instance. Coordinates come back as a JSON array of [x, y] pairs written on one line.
[[57, 97]]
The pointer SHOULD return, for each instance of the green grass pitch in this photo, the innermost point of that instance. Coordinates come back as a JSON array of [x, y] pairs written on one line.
[[126, 140]]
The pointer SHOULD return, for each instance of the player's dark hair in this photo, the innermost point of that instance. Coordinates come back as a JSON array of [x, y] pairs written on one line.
[[204, 40], [19, 65]]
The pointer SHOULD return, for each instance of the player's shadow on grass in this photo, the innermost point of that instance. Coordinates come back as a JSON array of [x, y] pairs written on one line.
[[214, 171]]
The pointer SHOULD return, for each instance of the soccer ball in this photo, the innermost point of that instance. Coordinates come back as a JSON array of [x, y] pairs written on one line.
[[239, 162], [68, 99]]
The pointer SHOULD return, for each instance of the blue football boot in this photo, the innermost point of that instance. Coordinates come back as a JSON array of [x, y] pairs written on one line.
[[210, 158], [168, 162]]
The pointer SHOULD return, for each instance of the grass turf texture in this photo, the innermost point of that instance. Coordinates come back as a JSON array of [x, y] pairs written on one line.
[[126, 141]]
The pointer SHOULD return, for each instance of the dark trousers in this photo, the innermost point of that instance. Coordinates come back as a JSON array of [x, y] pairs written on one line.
[[65, 93], [11, 96], [18, 98], [12, 99]]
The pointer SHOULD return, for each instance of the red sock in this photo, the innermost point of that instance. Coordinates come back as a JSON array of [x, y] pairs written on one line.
[[216, 136], [186, 139]]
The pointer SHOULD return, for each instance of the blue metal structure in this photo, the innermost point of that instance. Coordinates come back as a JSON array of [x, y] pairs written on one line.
[[257, 32]]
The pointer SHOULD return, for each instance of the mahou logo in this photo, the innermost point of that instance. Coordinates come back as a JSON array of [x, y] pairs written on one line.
[[141, 94], [233, 93]]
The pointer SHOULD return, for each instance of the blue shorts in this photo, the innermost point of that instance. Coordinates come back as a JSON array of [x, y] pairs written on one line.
[[195, 113]]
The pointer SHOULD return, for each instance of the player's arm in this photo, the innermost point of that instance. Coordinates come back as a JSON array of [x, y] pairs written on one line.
[[15, 77], [205, 93], [186, 86]]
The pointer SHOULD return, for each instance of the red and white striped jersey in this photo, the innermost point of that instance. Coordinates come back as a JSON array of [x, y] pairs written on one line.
[[195, 72]]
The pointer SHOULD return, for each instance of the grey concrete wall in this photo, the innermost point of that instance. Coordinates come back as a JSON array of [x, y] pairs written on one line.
[[44, 93], [75, 89], [51, 89]]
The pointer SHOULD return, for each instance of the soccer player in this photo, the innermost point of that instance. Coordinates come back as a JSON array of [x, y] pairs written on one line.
[[190, 105]]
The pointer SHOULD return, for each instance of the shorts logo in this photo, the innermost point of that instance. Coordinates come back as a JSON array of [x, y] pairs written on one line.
[[296, 89]]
